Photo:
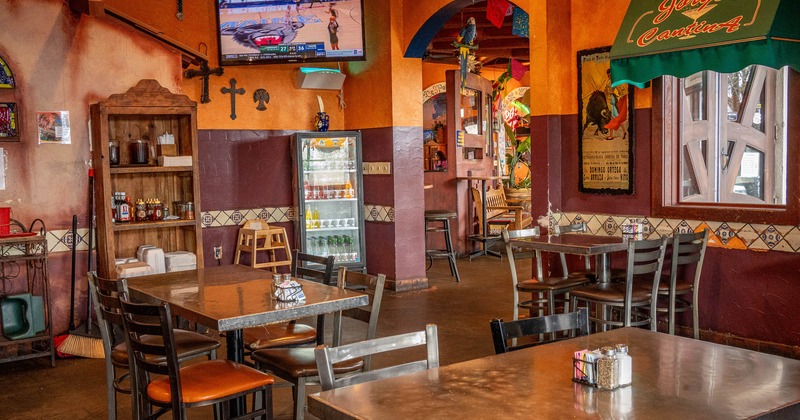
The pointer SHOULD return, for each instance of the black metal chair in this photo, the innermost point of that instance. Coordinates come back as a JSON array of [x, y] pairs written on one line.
[[575, 323], [328, 357], [105, 295], [622, 304], [292, 333], [547, 289], [298, 366], [213, 382]]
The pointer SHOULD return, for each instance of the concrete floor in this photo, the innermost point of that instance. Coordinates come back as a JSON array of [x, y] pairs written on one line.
[[75, 388]]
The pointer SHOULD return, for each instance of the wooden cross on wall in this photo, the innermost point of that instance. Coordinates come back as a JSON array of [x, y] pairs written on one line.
[[233, 92], [204, 72]]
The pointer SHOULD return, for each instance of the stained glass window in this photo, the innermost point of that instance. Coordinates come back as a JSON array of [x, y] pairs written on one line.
[[6, 77]]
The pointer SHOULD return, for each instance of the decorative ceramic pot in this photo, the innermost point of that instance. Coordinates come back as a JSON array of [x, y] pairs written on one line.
[[322, 120]]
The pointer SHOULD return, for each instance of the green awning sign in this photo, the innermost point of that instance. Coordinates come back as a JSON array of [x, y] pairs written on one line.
[[683, 37]]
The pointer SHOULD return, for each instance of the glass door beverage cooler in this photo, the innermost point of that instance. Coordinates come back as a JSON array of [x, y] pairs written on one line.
[[330, 196]]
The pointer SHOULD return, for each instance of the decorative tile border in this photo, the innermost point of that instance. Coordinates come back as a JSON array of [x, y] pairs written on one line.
[[61, 240], [750, 236], [729, 235], [374, 213], [237, 217]]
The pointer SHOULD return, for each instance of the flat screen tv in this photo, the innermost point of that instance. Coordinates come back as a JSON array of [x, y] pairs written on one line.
[[289, 31]]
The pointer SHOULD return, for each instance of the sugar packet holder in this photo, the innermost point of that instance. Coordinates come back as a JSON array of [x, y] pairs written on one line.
[[289, 291], [584, 363]]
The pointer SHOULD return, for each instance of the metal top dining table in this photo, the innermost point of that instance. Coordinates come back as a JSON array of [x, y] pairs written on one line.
[[577, 244], [232, 297], [673, 378]]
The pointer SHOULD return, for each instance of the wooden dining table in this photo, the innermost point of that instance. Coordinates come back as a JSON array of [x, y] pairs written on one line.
[[232, 297], [600, 246], [673, 378]]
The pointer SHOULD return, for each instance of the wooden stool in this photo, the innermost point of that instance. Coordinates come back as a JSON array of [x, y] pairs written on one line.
[[443, 217], [256, 235]]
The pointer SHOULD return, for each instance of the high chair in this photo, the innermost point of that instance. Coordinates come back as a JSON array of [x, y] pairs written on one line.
[[257, 235]]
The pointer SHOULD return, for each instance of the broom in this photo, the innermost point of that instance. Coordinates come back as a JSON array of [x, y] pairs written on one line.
[[80, 341]]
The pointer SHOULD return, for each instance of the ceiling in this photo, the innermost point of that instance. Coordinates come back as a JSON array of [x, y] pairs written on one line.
[[495, 45]]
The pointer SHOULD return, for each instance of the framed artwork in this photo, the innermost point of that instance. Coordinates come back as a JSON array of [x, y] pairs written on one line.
[[8, 122], [605, 127]]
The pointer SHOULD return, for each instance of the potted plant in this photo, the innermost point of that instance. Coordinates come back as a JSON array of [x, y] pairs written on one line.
[[518, 183]]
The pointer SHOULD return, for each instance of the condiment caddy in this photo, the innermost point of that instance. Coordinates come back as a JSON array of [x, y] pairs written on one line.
[[607, 368]]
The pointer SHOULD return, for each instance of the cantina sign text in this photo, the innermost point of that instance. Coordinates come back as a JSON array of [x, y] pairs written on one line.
[[670, 22]]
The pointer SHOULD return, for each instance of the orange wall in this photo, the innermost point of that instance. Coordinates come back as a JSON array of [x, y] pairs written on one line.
[[588, 33]]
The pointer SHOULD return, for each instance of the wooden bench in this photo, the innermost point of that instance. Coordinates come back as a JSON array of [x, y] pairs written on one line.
[[499, 213]]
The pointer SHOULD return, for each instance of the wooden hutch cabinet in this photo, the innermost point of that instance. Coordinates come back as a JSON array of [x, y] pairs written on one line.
[[144, 113]]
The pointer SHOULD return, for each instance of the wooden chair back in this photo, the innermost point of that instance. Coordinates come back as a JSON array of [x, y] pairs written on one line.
[[141, 320], [497, 207], [303, 266], [328, 356], [105, 297], [573, 322], [373, 286]]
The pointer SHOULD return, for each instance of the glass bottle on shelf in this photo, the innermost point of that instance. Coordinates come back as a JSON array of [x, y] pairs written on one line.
[[315, 217], [348, 187], [309, 219]]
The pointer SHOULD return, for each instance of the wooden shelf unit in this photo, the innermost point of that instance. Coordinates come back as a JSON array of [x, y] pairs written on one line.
[[145, 111]]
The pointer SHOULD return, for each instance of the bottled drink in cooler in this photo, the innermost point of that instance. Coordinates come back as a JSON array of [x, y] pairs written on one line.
[[331, 246], [312, 245], [322, 247], [309, 219], [348, 188], [340, 254], [348, 248], [315, 217]]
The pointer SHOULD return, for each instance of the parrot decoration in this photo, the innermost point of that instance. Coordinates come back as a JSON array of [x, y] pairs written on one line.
[[465, 44]]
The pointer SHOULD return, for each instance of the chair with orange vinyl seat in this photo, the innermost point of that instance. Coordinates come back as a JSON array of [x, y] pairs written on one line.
[[298, 366], [168, 386], [105, 296]]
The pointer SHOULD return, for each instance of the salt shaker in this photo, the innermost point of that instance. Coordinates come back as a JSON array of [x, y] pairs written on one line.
[[607, 369], [625, 365]]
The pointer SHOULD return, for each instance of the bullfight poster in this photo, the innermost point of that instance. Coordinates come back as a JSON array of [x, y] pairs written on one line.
[[605, 118]]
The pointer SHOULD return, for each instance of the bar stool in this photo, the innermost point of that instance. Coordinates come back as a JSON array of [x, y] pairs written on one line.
[[443, 217]]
